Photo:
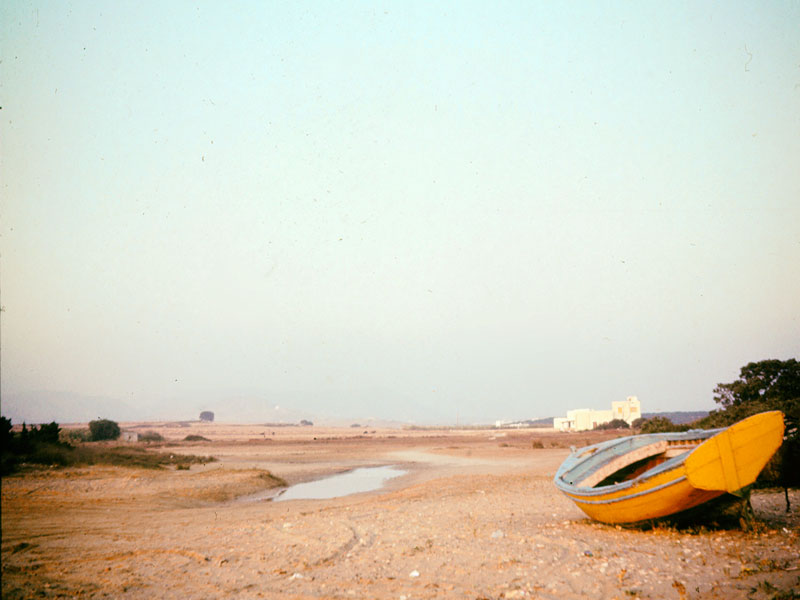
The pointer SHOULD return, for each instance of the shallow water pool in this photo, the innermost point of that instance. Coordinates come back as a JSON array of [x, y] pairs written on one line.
[[365, 479]]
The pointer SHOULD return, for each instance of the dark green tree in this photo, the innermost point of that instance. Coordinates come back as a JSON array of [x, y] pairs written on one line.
[[768, 384], [46, 434], [762, 386], [5, 433], [103, 429]]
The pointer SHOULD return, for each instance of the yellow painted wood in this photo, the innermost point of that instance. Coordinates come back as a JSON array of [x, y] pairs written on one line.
[[664, 502], [727, 462], [734, 457]]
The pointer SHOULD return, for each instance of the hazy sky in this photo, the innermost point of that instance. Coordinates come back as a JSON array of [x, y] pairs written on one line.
[[423, 211]]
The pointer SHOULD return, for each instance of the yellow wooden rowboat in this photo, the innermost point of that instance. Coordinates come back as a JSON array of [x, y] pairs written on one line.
[[642, 477]]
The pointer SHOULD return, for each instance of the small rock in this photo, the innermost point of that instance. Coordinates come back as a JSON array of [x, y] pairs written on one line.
[[497, 534], [414, 573], [587, 553]]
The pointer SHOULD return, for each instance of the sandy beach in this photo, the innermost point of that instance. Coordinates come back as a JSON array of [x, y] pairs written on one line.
[[474, 516]]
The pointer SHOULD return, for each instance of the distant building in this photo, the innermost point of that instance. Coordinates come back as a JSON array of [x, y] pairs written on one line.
[[129, 436], [582, 419]]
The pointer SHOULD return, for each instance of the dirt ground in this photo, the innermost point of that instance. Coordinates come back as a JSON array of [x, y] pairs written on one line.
[[475, 516]]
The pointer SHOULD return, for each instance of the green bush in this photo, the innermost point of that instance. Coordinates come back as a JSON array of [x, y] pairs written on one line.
[[195, 438], [103, 429]]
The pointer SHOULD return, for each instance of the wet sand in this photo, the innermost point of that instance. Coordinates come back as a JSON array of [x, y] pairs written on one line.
[[475, 516]]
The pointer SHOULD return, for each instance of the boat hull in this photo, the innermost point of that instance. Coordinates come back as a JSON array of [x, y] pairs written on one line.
[[725, 461]]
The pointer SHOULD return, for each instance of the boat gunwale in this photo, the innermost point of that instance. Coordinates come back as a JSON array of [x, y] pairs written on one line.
[[600, 449]]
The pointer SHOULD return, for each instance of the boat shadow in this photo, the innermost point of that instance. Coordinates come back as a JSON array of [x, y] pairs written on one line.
[[726, 513]]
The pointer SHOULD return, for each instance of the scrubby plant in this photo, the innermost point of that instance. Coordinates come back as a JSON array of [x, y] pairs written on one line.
[[104, 429], [660, 425], [75, 436], [613, 424], [195, 438], [151, 436]]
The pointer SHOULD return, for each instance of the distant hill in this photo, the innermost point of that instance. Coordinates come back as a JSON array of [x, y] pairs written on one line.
[[678, 417], [65, 407], [546, 422]]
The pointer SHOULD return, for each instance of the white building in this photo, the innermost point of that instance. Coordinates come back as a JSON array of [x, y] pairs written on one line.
[[582, 419]]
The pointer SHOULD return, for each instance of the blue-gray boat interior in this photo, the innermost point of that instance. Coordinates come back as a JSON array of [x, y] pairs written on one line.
[[587, 460]]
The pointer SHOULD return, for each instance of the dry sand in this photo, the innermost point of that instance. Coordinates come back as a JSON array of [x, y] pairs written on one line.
[[476, 516]]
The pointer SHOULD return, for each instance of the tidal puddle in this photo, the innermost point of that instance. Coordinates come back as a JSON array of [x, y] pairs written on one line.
[[365, 479]]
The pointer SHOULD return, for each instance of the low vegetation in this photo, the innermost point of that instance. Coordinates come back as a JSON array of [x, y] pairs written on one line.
[[195, 438], [614, 424], [48, 446], [75, 436], [151, 436], [131, 456]]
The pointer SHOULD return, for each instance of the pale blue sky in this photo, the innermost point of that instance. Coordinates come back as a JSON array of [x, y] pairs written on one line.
[[418, 211]]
